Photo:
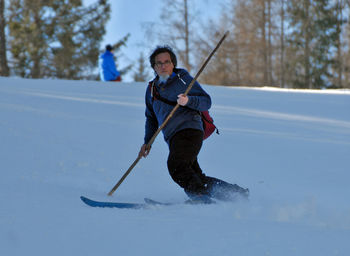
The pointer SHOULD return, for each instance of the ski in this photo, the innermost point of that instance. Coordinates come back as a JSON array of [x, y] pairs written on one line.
[[119, 205], [149, 203], [153, 202]]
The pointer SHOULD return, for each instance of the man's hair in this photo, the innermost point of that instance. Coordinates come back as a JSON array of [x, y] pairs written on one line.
[[162, 49], [109, 47]]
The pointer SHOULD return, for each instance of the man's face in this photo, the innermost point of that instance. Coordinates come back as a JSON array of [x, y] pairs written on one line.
[[163, 65]]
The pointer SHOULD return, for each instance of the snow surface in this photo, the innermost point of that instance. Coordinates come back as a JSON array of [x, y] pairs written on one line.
[[63, 139]]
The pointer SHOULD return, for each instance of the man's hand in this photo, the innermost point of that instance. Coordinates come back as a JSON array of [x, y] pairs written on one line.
[[144, 151], [182, 100]]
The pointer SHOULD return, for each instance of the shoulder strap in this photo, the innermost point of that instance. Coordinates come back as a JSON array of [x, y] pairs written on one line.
[[155, 95]]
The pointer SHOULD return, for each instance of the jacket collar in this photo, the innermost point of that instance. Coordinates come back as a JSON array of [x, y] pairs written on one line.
[[177, 73]]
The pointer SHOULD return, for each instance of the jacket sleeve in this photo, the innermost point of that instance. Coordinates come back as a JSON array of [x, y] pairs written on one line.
[[151, 124], [198, 99]]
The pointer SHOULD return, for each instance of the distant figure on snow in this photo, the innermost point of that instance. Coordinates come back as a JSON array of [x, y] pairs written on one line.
[[184, 132], [108, 70]]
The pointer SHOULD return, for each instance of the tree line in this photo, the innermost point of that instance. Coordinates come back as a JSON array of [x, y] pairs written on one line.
[[51, 38], [283, 43]]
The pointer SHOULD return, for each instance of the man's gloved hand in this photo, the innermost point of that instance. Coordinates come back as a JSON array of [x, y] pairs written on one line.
[[144, 151]]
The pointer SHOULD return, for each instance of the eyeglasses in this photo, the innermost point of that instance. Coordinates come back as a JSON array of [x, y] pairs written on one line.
[[160, 64]]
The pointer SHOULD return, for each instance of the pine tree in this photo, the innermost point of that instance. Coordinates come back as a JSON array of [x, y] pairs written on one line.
[[56, 38], [141, 74], [4, 69], [346, 48], [27, 37], [246, 57], [282, 44], [339, 64], [176, 28], [313, 25]]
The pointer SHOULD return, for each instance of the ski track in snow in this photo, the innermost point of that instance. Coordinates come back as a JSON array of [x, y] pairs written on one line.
[[282, 116]]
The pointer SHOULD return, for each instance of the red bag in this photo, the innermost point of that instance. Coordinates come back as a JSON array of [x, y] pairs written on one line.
[[208, 124]]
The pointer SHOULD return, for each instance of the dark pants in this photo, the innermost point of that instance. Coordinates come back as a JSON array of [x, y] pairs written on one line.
[[182, 161], [186, 172], [118, 79]]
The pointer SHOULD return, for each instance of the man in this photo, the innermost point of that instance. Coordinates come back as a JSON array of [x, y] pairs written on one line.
[[108, 70], [184, 131]]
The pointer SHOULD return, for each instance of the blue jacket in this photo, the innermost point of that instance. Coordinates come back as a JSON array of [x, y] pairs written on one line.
[[184, 117], [108, 70]]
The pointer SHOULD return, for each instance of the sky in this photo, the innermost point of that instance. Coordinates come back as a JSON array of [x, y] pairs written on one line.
[[130, 16]]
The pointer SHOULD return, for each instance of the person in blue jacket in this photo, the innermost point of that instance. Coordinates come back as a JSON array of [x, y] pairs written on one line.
[[184, 131], [108, 70]]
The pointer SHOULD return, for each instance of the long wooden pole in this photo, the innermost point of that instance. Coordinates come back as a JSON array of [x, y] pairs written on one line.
[[149, 144]]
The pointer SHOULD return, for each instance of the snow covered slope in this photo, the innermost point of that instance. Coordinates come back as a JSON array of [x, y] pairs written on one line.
[[63, 139]]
